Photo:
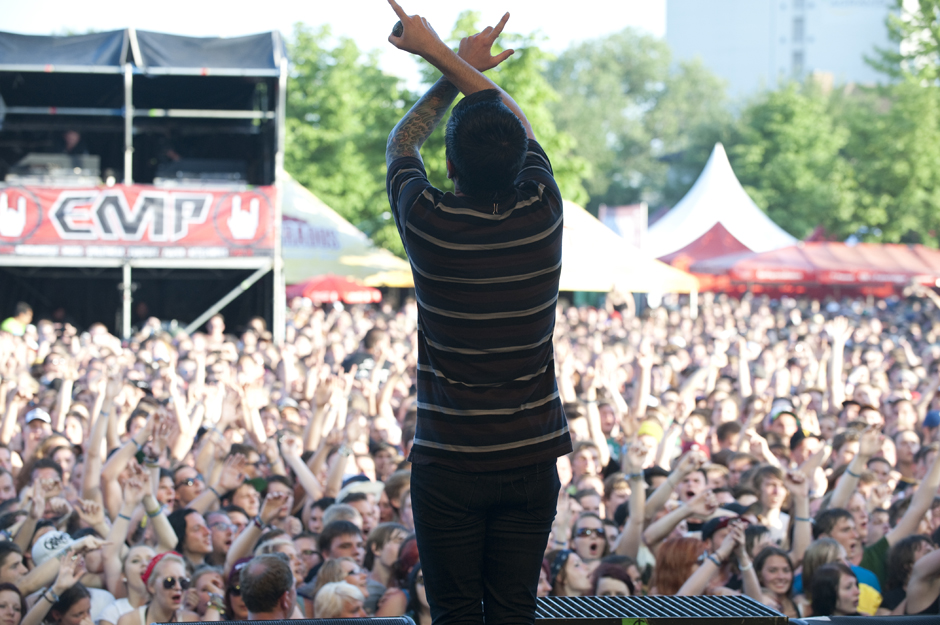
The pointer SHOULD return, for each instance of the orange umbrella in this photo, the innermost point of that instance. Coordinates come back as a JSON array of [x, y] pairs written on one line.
[[330, 288]]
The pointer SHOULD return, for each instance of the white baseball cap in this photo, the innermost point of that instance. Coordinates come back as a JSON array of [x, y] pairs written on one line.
[[50, 545], [40, 414]]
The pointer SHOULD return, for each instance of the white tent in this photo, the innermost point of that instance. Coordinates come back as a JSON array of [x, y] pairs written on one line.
[[595, 258], [317, 241], [715, 208]]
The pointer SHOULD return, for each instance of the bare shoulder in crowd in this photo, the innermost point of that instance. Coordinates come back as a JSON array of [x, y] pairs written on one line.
[[781, 449]]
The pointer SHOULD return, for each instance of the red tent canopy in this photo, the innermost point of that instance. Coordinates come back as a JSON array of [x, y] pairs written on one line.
[[330, 288], [826, 263], [716, 242]]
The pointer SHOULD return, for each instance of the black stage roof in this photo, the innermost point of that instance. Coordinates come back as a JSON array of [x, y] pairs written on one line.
[[150, 52]]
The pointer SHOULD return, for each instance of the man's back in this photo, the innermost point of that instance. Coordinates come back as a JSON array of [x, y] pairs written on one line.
[[484, 484], [486, 280]]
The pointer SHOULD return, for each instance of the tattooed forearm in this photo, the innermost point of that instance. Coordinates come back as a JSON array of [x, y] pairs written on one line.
[[417, 125]]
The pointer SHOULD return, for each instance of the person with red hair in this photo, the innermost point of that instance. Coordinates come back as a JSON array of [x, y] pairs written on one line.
[[676, 560]]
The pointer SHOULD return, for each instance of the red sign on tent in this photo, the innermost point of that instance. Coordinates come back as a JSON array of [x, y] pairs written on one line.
[[329, 288], [825, 263]]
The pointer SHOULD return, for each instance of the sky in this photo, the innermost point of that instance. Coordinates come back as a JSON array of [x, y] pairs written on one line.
[[368, 22]]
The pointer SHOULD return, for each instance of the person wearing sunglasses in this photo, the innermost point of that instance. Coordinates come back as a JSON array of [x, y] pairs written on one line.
[[589, 540], [188, 484], [167, 580], [235, 608], [222, 533]]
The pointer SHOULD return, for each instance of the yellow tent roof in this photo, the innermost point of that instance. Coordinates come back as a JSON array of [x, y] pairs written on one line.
[[316, 241], [595, 258]]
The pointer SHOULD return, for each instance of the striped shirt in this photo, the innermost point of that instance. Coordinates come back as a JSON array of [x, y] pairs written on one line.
[[486, 281]]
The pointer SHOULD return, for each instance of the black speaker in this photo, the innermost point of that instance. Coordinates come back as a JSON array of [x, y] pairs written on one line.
[[735, 610]]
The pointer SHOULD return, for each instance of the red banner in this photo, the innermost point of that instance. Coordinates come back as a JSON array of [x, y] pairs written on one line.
[[136, 221]]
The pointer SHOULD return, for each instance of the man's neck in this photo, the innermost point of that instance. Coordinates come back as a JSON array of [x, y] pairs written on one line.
[[381, 573], [276, 615], [196, 559], [906, 469]]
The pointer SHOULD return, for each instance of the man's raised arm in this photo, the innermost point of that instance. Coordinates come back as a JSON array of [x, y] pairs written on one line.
[[416, 126], [461, 72]]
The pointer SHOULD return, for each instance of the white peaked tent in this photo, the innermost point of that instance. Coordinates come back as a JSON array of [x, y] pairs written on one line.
[[595, 258], [715, 217], [317, 241]]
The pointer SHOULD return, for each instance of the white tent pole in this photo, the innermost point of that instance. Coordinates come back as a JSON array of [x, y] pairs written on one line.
[[126, 301], [693, 304], [222, 303], [280, 298], [128, 124]]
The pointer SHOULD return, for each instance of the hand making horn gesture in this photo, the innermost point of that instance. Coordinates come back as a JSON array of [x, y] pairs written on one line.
[[476, 49], [416, 36]]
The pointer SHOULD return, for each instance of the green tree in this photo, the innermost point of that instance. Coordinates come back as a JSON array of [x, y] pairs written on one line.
[[787, 154], [894, 148], [522, 76], [691, 115], [914, 29], [632, 113], [340, 109]]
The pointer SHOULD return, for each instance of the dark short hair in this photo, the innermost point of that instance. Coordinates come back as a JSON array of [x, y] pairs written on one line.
[[266, 578], [280, 479], [69, 598], [372, 337], [486, 144], [6, 548], [354, 497], [46, 463], [924, 450], [22, 307], [827, 519], [727, 429], [323, 503], [334, 529], [180, 468], [614, 571], [241, 448], [233, 508], [847, 436]]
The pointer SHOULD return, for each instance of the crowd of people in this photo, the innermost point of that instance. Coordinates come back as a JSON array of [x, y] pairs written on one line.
[[782, 449]]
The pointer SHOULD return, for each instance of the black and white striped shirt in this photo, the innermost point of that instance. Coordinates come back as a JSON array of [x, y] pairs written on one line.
[[486, 280]]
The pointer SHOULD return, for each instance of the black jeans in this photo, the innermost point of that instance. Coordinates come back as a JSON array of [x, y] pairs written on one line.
[[481, 537]]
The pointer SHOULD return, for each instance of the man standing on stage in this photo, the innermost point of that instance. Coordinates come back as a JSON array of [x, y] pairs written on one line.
[[486, 261]]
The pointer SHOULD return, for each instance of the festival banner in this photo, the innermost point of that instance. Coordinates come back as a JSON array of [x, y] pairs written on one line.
[[136, 222]]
